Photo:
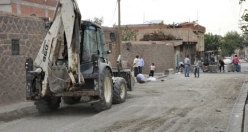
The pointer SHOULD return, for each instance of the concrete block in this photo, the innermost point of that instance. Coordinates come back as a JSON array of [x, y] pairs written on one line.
[[169, 72]]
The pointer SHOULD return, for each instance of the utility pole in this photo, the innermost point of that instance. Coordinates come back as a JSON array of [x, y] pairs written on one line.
[[119, 28]]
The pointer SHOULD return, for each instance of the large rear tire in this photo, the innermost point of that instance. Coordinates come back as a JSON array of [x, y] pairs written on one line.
[[120, 91], [106, 91], [71, 100], [48, 105]]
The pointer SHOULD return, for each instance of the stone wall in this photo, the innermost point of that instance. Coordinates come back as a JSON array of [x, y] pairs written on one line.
[[30, 32], [159, 53]]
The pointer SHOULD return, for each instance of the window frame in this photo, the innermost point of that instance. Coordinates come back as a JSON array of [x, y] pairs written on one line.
[[15, 46]]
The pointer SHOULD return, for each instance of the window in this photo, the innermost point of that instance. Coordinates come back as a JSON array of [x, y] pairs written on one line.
[[15, 47], [101, 43], [89, 44], [181, 48], [110, 47]]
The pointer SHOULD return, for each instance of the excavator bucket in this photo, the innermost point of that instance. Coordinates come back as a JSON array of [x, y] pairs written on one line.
[[58, 79]]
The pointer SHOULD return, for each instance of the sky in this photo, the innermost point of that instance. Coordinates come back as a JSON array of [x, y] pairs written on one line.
[[218, 16]]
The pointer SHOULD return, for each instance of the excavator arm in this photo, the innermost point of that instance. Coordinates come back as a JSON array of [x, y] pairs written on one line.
[[66, 25]]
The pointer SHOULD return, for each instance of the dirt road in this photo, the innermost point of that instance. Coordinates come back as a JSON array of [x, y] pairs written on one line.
[[177, 104]]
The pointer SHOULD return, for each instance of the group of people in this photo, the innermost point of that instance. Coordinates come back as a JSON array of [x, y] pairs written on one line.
[[197, 64], [138, 65]]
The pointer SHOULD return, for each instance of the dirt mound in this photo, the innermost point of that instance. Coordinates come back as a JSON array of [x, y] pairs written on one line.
[[157, 36]]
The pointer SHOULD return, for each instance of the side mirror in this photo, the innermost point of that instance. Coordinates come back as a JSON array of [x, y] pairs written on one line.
[[112, 37], [108, 52]]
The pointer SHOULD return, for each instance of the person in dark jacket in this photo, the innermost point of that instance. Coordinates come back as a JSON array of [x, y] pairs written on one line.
[[221, 64]]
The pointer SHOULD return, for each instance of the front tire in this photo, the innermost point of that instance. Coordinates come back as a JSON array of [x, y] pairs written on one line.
[[106, 91], [120, 91]]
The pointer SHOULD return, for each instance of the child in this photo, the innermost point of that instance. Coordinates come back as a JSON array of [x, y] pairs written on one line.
[[152, 70]]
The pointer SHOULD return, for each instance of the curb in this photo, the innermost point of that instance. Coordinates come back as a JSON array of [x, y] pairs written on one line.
[[236, 122], [8, 116], [162, 77]]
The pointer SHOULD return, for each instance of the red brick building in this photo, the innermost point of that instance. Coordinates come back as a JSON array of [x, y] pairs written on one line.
[[38, 8]]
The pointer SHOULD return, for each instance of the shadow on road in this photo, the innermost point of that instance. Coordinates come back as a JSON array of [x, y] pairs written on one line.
[[80, 109]]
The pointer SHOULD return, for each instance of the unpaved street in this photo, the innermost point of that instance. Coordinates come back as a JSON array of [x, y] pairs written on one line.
[[177, 104]]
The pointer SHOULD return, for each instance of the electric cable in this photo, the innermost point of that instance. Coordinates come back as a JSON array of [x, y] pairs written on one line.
[[224, 28], [113, 14]]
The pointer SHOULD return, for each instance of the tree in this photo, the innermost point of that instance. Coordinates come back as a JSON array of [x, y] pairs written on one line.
[[232, 41], [128, 34], [212, 42], [240, 1], [97, 20], [244, 27]]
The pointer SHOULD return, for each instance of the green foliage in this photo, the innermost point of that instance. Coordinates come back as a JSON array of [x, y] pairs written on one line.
[[244, 28], [212, 42], [224, 52], [232, 41], [97, 20], [240, 1], [128, 34]]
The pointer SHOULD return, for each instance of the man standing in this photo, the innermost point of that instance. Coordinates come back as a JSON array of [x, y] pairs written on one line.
[[221, 64], [135, 66], [236, 63], [197, 64], [186, 66], [140, 63]]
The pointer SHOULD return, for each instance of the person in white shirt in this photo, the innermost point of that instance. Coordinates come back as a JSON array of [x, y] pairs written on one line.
[[141, 78], [140, 63], [181, 67], [135, 66], [186, 66], [152, 70], [197, 64]]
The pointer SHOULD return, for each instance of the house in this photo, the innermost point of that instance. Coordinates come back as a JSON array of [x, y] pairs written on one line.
[[38, 8], [20, 36], [188, 38]]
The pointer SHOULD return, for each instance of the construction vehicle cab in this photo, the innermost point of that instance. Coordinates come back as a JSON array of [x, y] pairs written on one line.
[[72, 62]]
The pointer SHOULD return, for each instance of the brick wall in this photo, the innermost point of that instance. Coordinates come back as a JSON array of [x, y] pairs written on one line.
[[43, 2], [30, 31], [29, 10], [13, 6], [50, 13], [41, 8]]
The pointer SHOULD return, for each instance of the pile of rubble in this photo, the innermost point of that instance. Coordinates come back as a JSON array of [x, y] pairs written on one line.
[[157, 37]]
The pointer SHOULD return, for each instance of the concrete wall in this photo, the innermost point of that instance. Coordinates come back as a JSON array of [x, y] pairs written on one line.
[[112, 46], [30, 32], [6, 8], [160, 53], [200, 42]]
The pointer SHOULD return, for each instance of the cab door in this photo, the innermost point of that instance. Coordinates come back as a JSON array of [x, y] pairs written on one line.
[[89, 48]]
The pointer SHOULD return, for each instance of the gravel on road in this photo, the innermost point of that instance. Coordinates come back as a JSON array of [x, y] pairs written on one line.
[[177, 104]]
